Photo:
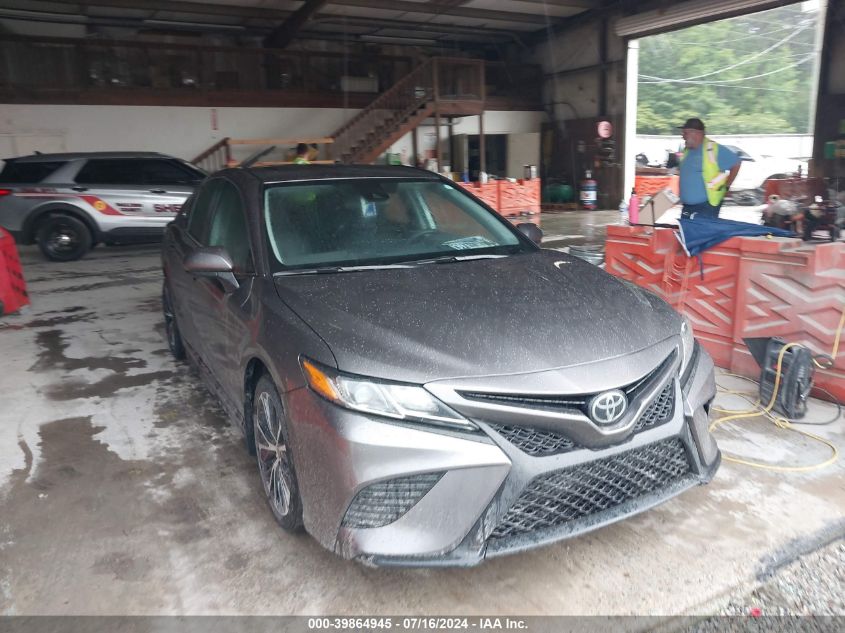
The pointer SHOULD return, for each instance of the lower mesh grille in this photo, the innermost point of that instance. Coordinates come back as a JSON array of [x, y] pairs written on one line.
[[659, 411], [382, 503], [556, 498], [534, 441]]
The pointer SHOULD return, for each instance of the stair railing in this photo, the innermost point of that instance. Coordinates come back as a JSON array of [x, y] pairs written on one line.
[[403, 98], [215, 157]]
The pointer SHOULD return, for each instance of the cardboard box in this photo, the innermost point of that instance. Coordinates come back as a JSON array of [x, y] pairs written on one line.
[[656, 205]]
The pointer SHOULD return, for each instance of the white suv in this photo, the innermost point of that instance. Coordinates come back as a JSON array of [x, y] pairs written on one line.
[[67, 203]]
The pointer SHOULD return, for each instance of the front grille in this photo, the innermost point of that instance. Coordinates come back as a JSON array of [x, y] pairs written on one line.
[[564, 403], [543, 443], [554, 499], [535, 442], [659, 411], [382, 503]]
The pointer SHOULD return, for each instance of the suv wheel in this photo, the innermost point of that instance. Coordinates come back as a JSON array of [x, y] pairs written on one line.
[[63, 238], [275, 460]]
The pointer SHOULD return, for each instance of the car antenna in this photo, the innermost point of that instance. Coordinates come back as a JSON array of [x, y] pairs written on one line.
[[252, 159]]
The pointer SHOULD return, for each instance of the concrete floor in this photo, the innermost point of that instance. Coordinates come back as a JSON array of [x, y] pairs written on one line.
[[124, 490]]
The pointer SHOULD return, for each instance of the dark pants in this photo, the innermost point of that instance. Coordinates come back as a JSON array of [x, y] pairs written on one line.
[[703, 209]]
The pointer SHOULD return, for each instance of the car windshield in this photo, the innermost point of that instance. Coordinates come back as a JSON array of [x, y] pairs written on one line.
[[379, 221]]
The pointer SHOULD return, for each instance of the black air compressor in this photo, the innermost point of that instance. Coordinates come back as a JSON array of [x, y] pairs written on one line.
[[796, 379]]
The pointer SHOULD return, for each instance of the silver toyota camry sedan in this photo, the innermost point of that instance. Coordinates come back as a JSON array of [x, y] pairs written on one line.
[[420, 383]]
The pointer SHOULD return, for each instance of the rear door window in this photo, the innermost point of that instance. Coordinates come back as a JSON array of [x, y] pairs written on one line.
[[14, 171], [111, 171], [167, 172]]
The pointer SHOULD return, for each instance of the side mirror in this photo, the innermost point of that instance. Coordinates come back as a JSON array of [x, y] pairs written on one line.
[[214, 262], [531, 231]]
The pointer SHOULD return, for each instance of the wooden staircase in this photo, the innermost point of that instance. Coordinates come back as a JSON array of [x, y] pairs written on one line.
[[440, 86]]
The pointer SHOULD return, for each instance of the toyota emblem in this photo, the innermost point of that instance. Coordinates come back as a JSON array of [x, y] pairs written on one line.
[[607, 407]]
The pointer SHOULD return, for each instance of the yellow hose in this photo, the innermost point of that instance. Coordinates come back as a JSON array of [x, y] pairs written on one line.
[[782, 423]]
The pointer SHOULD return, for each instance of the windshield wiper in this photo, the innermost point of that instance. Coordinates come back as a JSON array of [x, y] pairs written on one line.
[[448, 259], [323, 270]]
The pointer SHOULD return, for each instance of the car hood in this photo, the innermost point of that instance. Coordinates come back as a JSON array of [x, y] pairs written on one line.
[[524, 313]]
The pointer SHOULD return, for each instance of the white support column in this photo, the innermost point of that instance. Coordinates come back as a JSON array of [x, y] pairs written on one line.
[[631, 117]]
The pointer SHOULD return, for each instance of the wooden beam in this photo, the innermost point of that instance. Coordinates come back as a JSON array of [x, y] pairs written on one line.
[[177, 6], [285, 33], [198, 8], [463, 12], [279, 141], [575, 4]]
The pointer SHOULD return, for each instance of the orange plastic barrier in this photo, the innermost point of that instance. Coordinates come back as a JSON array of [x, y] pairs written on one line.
[[795, 291], [653, 259], [752, 287], [488, 192], [13, 294], [509, 198], [650, 185], [519, 198]]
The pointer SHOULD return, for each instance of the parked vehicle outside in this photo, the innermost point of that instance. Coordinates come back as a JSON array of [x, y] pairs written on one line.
[[748, 188], [422, 384], [67, 203]]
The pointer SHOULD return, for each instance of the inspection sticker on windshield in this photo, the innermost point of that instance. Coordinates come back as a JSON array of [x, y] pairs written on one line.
[[465, 243]]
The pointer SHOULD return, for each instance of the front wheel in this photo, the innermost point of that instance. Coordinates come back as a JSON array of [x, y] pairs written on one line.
[[171, 328], [63, 238], [275, 460]]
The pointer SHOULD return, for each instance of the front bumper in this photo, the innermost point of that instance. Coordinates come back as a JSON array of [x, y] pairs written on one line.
[[492, 497]]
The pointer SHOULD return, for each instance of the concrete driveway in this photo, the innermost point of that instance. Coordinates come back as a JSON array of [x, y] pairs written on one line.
[[125, 491]]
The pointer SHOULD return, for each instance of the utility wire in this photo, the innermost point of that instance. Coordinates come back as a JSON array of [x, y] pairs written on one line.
[[740, 63], [722, 82]]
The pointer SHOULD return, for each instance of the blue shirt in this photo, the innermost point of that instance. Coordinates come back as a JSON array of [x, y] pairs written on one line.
[[692, 180]]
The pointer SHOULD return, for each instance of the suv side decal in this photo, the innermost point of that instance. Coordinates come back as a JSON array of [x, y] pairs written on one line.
[[97, 203]]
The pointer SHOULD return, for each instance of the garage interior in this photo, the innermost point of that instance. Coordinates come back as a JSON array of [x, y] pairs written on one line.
[[124, 489]]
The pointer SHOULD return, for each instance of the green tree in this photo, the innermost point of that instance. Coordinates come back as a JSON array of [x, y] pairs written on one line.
[[751, 74]]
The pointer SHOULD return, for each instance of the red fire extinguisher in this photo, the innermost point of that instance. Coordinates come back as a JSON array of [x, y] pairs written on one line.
[[589, 191]]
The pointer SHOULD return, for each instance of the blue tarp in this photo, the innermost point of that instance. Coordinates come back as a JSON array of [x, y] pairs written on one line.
[[700, 233]]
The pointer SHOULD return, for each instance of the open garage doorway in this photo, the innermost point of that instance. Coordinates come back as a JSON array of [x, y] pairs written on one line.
[[752, 79]]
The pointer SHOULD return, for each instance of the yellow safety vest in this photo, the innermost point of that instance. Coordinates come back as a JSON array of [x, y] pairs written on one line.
[[714, 178], [300, 160]]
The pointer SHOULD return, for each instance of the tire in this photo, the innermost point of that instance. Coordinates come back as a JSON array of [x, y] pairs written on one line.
[[171, 327], [63, 238], [274, 457]]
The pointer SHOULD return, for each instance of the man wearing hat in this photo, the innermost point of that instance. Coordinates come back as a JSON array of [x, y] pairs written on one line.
[[707, 170]]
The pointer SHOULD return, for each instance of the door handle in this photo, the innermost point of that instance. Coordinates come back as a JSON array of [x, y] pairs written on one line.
[[80, 188], [157, 191]]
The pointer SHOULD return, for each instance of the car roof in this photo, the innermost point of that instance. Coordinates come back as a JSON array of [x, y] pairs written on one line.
[[37, 158], [283, 173]]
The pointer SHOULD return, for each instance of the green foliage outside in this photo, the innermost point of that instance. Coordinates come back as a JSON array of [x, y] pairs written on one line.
[[747, 75]]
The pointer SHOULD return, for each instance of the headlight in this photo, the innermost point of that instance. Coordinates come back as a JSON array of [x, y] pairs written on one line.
[[687, 344], [389, 399]]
